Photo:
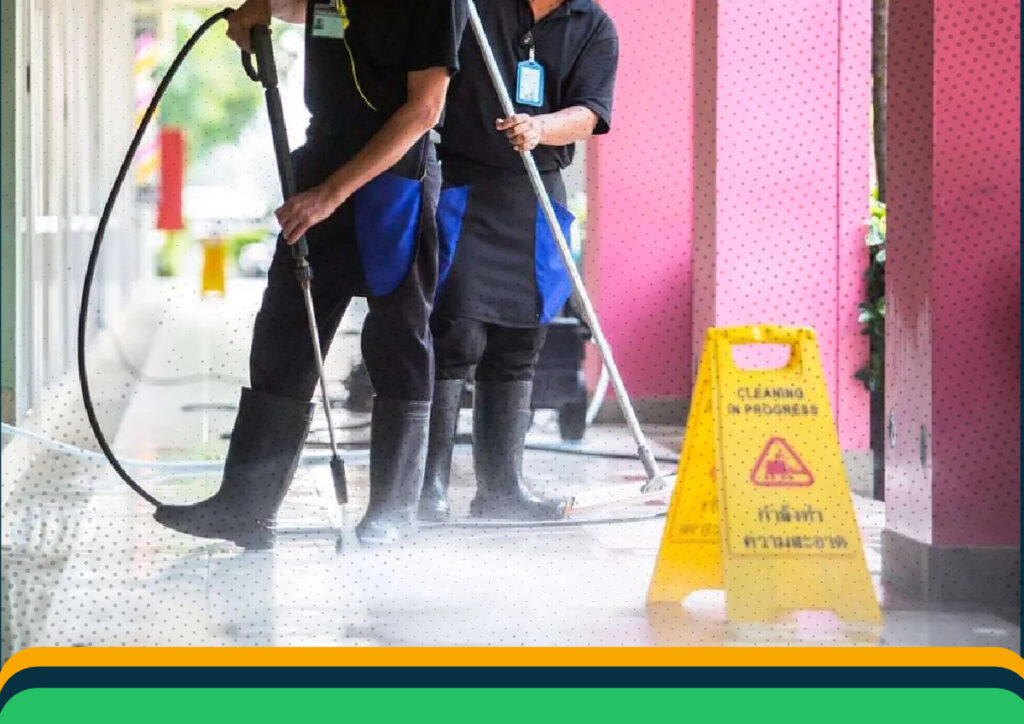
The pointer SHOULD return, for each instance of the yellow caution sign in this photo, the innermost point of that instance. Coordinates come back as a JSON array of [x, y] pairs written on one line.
[[762, 505], [214, 266]]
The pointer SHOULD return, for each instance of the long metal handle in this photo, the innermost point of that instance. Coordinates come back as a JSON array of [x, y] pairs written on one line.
[[265, 73], [340, 490], [580, 292]]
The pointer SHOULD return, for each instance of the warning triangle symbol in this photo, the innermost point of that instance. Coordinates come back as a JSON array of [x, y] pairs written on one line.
[[780, 467]]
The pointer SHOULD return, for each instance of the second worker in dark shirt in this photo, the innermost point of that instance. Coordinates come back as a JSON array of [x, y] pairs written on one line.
[[502, 279]]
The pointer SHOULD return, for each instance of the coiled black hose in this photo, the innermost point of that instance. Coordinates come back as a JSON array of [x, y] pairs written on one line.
[[90, 270]]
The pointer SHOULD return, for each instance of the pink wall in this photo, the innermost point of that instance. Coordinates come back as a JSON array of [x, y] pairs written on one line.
[[705, 257], [733, 188], [953, 277], [976, 259], [908, 273], [783, 178], [853, 405], [640, 236]]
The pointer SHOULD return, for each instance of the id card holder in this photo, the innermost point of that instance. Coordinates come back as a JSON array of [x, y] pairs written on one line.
[[530, 84], [327, 22]]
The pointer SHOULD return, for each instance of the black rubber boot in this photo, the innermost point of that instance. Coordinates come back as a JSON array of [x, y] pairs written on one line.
[[501, 419], [398, 452], [266, 444], [444, 418], [360, 391]]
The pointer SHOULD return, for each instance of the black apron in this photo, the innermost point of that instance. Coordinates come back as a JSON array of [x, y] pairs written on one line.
[[499, 260]]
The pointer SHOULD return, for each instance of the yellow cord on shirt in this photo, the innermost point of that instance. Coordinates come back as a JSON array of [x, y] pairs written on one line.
[[343, 12]]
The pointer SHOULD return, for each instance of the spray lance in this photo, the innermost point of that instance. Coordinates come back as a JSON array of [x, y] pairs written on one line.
[[264, 72]]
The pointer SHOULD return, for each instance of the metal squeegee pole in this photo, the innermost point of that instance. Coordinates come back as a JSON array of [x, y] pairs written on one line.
[[643, 449], [266, 72]]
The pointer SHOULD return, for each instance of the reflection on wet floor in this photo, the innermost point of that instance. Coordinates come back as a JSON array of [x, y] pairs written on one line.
[[85, 565]]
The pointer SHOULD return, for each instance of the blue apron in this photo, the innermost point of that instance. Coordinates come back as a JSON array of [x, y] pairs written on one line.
[[498, 257], [385, 218]]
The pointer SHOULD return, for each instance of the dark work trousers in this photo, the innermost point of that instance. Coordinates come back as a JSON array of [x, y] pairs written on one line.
[[396, 339], [499, 353]]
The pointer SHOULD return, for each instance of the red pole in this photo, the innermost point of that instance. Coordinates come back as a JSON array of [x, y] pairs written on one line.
[[172, 177]]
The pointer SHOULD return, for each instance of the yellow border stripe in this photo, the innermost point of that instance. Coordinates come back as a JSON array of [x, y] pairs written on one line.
[[491, 657]]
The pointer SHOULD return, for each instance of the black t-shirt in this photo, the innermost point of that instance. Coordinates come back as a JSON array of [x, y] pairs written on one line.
[[578, 47], [385, 40]]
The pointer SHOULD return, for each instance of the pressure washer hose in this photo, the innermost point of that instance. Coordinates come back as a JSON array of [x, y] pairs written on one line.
[[90, 270]]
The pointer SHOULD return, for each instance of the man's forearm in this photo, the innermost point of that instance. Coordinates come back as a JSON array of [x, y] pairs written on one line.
[[420, 113], [407, 125], [566, 126]]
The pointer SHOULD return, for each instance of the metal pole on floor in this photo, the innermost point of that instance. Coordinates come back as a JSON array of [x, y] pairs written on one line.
[[654, 481]]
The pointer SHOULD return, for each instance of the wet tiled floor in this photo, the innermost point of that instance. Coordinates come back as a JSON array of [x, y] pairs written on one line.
[[85, 565]]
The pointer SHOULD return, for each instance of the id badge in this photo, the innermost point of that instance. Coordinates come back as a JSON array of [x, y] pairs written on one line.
[[327, 22], [530, 84]]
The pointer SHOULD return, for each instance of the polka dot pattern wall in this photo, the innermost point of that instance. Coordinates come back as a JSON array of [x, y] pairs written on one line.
[[754, 214], [640, 234], [953, 279]]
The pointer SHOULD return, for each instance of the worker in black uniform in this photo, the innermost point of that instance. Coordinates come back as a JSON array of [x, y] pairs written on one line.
[[376, 76], [502, 279]]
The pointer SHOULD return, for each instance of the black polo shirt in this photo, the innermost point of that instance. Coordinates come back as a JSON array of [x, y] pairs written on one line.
[[388, 39], [578, 47]]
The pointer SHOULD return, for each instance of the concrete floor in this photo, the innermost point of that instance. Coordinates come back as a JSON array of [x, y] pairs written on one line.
[[85, 565]]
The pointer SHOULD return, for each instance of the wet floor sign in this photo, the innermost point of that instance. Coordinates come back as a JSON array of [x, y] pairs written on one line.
[[762, 505]]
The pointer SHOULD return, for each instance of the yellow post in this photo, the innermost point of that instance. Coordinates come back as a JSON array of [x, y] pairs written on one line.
[[214, 267]]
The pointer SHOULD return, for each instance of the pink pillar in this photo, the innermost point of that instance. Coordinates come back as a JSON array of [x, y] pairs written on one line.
[[640, 228], [953, 293], [782, 178]]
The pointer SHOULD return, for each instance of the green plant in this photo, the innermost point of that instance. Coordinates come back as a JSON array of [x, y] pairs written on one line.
[[171, 253], [239, 240], [210, 97], [872, 309]]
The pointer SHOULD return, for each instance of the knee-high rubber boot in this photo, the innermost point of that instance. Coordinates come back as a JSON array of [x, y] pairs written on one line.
[[501, 419], [398, 452], [444, 418], [265, 448], [360, 391]]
